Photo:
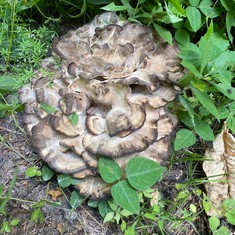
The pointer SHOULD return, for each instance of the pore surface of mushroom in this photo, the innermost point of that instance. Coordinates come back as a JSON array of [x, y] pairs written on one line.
[[117, 78]]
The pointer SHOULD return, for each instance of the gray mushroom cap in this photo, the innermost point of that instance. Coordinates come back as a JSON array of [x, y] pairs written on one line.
[[116, 79]]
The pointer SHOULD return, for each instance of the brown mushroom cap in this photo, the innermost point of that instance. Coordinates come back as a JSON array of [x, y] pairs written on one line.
[[116, 78]]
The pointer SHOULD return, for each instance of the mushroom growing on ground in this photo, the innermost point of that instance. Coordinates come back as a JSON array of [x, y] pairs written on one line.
[[117, 78]]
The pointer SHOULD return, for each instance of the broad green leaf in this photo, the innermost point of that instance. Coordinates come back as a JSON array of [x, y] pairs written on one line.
[[6, 227], [109, 170], [222, 60], [223, 112], [228, 4], [206, 101], [113, 205], [8, 83], [5, 107], [93, 203], [163, 33], [222, 231], [47, 173], [172, 17], [33, 171], [214, 223], [194, 17], [178, 6], [74, 118], [232, 107], [230, 218], [142, 173], [37, 216], [204, 131], [229, 205], [150, 216], [109, 216], [184, 138], [185, 118], [230, 22], [227, 90], [192, 69], [194, 2], [113, 7], [64, 180], [47, 108], [182, 36], [104, 208], [76, 199], [126, 196], [15, 222], [208, 9]]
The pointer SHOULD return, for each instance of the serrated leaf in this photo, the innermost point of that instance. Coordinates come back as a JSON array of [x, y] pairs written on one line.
[[126, 196], [184, 138], [142, 173], [47, 108], [194, 17], [163, 33], [104, 208], [178, 6], [76, 199], [47, 173], [109, 170], [204, 131], [206, 101]]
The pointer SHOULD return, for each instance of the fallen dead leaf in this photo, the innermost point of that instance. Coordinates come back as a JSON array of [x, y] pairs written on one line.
[[55, 194]]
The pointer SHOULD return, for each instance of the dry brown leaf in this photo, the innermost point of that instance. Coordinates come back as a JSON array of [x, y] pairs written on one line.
[[154, 199], [55, 194], [220, 169]]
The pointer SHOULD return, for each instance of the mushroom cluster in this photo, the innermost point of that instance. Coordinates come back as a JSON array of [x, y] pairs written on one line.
[[116, 78]]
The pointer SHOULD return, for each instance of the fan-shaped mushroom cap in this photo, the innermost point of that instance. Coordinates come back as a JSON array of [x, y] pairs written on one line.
[[116, 79]]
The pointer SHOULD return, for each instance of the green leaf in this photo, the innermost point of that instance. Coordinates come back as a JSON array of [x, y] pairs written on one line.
[[76, 199], [185, 118], [64, 180], [186, 104], [226, 89], [47, 108], [228, 4], [222, 231], [32, 171], [74, 118], [214, 223], [230, 218], [206, 101], [184, 138], [6, 226], [208, 9], [15, 222], [194, 2], [142, 173], [172, 17], [113, 7], [8, 83], [123, 226], [1, 189], [47, 173], [178, 6], [230, 22], [232, 107], [109, 170], [204, 131], [150, 216], [130, 231], [93, 203], [229, 205], [192, 69], [194, 17], [104, 208], [182, 36], [109, 216], [126, 196], [37, 216], [163, 33]]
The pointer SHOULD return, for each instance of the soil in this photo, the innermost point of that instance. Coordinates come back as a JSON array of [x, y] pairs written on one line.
[[16, 152]]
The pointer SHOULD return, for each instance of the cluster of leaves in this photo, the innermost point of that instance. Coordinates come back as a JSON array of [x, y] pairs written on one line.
[[214, 222]]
